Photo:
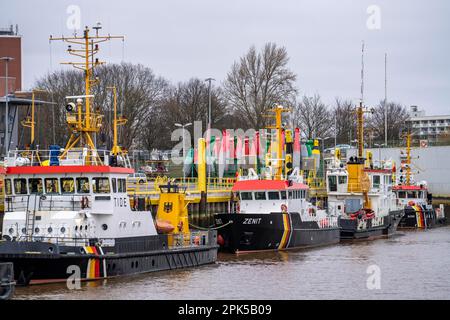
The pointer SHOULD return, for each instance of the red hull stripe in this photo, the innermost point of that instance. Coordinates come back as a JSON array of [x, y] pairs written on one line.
[[67, 169], [266, 185], [408, 188]]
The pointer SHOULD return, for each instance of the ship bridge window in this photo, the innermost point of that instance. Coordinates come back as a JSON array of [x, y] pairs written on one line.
[[122, 185], [290, 194], [51, 185], [246, 196], [260, 195], [20, 186], [101, 185], [412, 194], [402, 194], [332, 183], [114, 185], [283, 195], [67, 185], [376, 181], [8, 187], [35, 185], [342, 179], [83, 185], [274, 195]]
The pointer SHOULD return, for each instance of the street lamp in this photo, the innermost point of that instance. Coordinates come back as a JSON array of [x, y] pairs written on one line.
[[7, 60], [209, 101], [183, 126], [379, 145]]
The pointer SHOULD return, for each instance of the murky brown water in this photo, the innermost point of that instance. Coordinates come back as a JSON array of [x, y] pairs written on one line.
[[413, 265]]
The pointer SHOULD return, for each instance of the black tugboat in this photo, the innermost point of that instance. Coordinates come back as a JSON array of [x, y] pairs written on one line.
[[273, 214], [68, 213]]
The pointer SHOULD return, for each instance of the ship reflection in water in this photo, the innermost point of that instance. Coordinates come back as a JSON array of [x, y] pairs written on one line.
[[412, 265]]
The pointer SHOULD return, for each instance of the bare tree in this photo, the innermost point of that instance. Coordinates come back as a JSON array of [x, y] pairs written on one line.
[[345, 120], [396, 121], [258, 81], [139, 93], [313, 117]]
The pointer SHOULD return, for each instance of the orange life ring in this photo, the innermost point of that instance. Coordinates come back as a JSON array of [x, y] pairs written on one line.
[[84, 202]]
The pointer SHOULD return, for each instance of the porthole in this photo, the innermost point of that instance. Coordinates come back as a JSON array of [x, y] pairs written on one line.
[[37, 230], [104, 226], [136, 264], [63, 230], [76, 228], [24, 230], [132, 264], [85, 227], [11, 230], [50, 230]]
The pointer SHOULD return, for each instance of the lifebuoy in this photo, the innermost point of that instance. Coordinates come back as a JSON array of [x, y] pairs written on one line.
[[311, 211], [84, 202], [283, 208]]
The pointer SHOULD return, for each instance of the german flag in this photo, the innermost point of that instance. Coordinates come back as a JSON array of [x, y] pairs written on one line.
[[285, 239], [93, 267]]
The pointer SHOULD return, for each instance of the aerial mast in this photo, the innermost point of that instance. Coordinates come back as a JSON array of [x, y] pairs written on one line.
[[84, 122]]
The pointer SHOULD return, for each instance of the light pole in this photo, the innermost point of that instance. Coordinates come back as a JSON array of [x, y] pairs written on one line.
[[183, 126], [379, 145], [323, 150], [209, 80], [7, 60]]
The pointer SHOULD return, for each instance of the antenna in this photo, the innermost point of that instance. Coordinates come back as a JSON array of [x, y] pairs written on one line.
[[362, 72], [385, 100]]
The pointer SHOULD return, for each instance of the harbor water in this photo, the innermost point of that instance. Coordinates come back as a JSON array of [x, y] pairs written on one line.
[[409, 265]]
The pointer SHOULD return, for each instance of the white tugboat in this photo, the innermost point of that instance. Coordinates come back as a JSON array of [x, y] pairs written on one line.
[[69, 207]]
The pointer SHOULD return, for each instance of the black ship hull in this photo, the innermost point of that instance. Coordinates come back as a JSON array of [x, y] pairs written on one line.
[[240, 233], [39, 262], [353, 229], [420, 217]]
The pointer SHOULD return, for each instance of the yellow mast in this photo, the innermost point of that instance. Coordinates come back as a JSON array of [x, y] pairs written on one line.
[[84, 124], [29, 121], [278, 110], [116, 149]]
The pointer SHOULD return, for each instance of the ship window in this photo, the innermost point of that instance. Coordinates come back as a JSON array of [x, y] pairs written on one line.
[[402, 194], [274, 195], [8, 186], [290, 195], [411, 194], [35, 185], [122, 185], [260, 196], [246, 196], [332, 183], [67, 185], [101, 185], [283, 195], [342, 179], [51, 185], [376, 182], [20, 186], [114, 185], [83, 185]]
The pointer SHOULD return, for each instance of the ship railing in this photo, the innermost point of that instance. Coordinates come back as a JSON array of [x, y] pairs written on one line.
[[190, 184], [324, 222], [61, 241], [73, 157], [48, 202], [194, 239]]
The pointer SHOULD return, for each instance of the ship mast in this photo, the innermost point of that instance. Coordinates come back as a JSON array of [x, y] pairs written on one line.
[[408, 158], [278, 110], [84, 124]]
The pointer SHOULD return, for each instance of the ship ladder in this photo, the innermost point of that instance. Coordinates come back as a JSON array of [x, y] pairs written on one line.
[[30, 216]]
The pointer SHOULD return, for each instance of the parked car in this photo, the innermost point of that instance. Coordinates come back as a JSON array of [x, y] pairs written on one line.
[[138, 177]]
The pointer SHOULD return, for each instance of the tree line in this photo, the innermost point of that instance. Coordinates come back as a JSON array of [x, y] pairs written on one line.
[[256, 81]]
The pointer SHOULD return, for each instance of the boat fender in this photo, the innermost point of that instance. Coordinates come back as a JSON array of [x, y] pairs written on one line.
[[283, 208]]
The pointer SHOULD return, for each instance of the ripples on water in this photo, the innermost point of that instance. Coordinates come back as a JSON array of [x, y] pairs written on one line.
[[413, 264]]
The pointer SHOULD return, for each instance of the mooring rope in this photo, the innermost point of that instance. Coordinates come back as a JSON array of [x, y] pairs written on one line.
[[210, 228]]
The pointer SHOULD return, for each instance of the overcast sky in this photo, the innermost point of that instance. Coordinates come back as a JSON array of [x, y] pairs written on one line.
[[180, 39]]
